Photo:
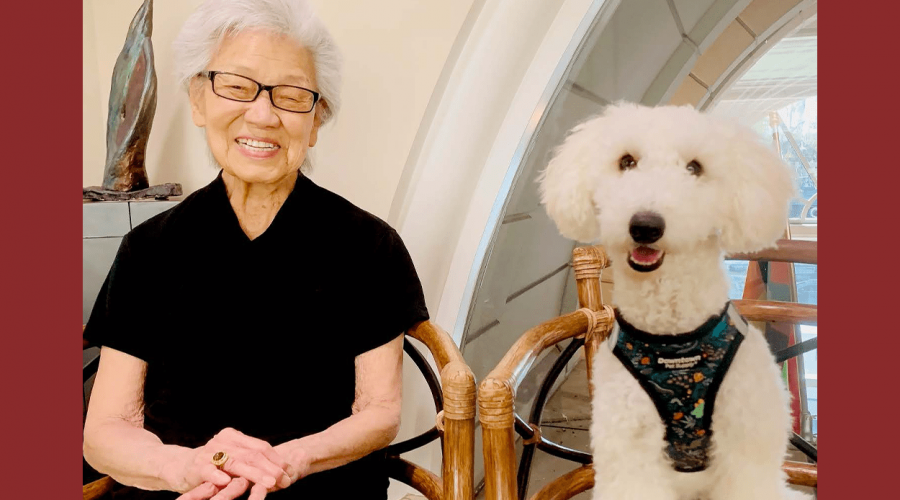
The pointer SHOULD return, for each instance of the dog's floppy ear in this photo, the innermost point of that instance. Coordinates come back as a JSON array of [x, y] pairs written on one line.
[[756, 206], [567, 184]]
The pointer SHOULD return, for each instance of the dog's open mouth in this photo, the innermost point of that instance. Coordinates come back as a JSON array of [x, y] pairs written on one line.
[[645, 259]]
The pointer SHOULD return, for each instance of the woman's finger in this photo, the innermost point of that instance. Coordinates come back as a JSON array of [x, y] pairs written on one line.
[[235, 488], [200, 492], [254, 474], [259, 461], [240, 439], [257, 492], [212, 474]]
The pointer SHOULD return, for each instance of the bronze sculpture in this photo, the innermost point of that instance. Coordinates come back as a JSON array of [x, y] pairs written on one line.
[[132, 105]]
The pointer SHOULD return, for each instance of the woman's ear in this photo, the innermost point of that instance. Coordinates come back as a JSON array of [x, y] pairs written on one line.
[[196, 96], [567, 184], [756, 206]]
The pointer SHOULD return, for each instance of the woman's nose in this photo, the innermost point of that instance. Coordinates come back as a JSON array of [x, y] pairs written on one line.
[[262, 112]]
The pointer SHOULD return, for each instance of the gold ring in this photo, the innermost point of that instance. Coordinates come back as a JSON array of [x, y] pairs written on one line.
[[219, 459]]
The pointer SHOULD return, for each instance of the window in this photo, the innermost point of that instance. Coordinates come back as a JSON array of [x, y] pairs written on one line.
[[777, 97]]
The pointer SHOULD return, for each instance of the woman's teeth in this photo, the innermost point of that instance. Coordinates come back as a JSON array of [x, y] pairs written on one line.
[[262, 146]]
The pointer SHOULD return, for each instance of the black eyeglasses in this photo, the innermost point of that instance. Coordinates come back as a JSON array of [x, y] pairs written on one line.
[[240, 88]]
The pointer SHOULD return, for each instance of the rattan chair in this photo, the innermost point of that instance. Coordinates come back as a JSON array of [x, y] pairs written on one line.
[[454, 400], [587, 328]]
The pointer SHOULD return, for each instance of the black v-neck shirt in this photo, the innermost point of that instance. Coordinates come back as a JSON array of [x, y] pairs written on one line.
[[259, 335]]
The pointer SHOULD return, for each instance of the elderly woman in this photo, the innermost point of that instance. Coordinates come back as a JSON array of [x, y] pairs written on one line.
[[270, 365]]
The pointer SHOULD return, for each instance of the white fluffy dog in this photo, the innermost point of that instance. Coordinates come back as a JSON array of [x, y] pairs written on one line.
[[668, 191]]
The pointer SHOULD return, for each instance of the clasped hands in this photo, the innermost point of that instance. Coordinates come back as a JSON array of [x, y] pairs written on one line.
[[252, 463]]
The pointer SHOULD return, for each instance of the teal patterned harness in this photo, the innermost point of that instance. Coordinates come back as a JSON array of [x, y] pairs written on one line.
[[682, 374]]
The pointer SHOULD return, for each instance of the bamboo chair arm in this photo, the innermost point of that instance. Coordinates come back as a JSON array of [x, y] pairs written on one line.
[[589, 261], [799, 251], [458, 383], [411, 474], [496, 394], [803, 252], [438, 342], [567, 485], [457, 379], [768, 310], [802, 474], [457, 420], [524, 353], [97, 489]]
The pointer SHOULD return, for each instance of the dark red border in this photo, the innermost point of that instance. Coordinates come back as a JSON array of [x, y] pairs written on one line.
[[40, 215], [858, 147]]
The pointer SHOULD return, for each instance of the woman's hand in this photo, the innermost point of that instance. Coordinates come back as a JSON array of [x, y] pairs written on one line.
[[234, 489], [249, 458], [297, 457], [298, 464]]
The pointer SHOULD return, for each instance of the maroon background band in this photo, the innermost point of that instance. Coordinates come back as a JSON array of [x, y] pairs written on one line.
[[40, 213]]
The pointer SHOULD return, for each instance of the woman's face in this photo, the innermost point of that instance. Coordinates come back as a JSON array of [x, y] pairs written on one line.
[[255, 141]]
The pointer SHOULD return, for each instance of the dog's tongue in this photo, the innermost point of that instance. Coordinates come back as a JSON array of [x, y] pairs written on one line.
[[645, 254]]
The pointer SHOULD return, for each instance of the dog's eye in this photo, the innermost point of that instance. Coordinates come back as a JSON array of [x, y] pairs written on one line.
[[627, 162], [695, 168]]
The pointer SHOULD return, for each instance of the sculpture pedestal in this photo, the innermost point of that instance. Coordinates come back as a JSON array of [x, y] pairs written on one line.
[[103, 226], [160, 192]]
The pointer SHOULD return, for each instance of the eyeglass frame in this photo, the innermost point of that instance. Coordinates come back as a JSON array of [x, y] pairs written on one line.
[[211, 75]]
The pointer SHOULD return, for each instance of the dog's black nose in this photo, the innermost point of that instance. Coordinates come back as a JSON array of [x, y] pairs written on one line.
[[646, 227]]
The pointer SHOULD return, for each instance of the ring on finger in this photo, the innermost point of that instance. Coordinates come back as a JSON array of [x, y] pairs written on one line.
[[219, 459]]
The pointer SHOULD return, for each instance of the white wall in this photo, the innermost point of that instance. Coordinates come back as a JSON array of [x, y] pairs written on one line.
[[394, 51]]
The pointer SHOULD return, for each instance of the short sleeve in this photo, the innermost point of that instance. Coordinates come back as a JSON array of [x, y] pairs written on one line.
[[394, 298], [116, 320]]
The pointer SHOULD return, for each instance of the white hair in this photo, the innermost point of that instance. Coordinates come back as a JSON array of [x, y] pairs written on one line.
[[215, 19]]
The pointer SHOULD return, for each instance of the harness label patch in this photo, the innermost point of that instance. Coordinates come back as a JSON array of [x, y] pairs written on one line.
[[679, 363]]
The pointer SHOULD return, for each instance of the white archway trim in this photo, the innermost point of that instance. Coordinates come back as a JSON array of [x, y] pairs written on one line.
[[550, 68], [506, 75], [764, 41]]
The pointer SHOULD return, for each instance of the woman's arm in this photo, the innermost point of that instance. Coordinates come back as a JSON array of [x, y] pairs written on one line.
[[373, 425], [116, 443]]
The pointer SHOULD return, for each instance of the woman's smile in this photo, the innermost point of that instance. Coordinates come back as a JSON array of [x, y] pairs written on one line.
[[257, 149]]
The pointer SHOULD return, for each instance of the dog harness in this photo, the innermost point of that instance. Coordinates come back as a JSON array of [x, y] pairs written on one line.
[[682, 374]]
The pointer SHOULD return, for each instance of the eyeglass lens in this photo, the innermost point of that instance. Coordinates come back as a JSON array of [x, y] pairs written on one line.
[[239, 88]]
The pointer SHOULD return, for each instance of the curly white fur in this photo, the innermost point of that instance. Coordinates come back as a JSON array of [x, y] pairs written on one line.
[[738, 204]]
